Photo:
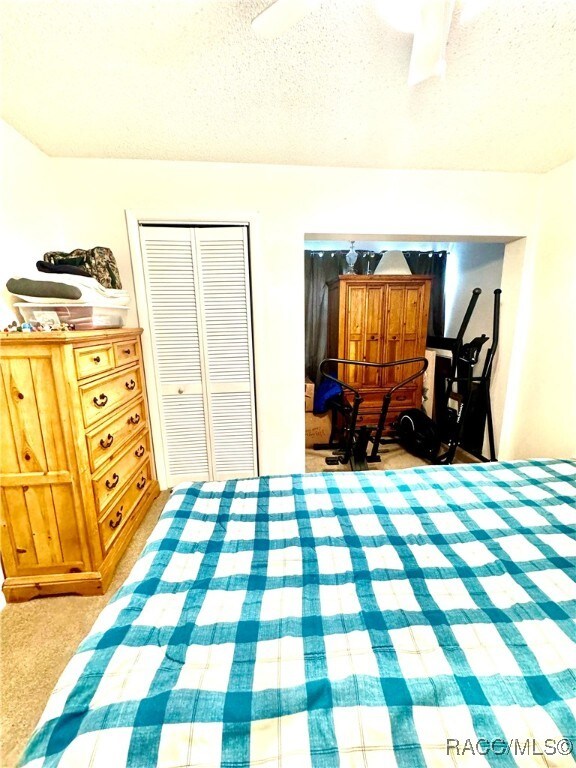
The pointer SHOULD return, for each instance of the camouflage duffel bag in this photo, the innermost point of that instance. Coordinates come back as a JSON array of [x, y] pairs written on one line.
[[98, 262]]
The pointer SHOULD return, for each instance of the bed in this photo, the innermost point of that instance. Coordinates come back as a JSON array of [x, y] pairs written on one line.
[[421, 617]]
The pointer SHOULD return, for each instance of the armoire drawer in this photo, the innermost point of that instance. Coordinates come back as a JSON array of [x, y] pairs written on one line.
[[107, 438], [91, 361], [110, 482], [126, 352], [100, 398], [117, 515]]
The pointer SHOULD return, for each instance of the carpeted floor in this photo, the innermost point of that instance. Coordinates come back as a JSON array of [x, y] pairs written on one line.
[[39, 637], [391, 457]]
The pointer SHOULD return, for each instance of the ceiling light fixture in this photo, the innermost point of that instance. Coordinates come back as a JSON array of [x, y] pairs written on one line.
[[430, 40], [428, 20]]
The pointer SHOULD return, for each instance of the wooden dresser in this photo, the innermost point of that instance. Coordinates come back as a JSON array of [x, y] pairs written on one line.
[[378, 319], [76, 463]]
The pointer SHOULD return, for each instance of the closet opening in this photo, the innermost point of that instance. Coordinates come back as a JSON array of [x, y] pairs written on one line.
[[365, 300], [193, 294]]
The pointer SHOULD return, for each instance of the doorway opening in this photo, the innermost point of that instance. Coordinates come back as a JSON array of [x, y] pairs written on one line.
[[468, 263]]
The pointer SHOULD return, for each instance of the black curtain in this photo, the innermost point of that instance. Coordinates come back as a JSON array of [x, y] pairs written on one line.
[[318, 271], [431, 263]]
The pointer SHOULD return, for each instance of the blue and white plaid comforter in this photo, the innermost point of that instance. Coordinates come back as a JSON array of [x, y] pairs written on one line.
[[415, 618]]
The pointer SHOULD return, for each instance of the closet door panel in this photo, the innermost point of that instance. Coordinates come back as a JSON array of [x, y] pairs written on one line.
[[225, 290], [172, 289], [186, 448]]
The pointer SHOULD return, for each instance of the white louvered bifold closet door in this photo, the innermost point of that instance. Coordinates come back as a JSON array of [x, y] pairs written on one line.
[[198, 300]]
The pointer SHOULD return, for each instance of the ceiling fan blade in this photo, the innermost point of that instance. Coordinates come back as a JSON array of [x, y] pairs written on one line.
[[430, 38], [281, 15]]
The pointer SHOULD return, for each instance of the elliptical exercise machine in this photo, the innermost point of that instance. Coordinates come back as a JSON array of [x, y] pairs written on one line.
[[355, 438], [470, 392]]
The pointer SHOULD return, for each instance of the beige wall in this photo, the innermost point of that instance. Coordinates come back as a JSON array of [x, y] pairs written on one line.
[[544, 413], [28, 210], [287, 202]]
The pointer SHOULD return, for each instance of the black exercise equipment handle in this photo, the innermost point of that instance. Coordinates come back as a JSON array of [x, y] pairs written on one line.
[[466, 319], [495, 335], [389, 364], [345, 458], [458, 346]]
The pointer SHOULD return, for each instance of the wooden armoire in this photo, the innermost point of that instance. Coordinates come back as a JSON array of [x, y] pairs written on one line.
[[376, 319]]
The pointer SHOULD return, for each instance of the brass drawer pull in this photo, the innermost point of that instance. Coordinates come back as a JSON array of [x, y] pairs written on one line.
[[139, 452], [108, 442], [130, 384], [96, 359], [100, 401], [141, 484], [114, 482], [113, 524], [134, 419]]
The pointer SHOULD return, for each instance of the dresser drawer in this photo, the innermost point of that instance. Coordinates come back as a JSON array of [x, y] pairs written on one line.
[[126, 352], [110, 482], [93, 360], [104, 396], [116, 516], [106, 439]]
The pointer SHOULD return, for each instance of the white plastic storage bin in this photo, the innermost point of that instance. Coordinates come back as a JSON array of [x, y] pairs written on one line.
[[84, 316]]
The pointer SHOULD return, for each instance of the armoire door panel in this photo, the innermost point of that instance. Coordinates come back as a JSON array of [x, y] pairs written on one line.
[[373, 335], [356, 312], [352, 374], [413, 311], [395, 298]]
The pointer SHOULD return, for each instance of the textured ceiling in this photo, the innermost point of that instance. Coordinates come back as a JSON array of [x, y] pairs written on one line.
[[189, 80]]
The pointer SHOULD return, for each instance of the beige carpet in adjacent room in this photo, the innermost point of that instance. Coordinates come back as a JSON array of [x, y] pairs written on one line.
[[391, 457]]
